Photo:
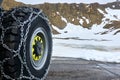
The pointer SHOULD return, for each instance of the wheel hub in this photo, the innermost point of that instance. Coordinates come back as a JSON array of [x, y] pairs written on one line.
[[37, 48]]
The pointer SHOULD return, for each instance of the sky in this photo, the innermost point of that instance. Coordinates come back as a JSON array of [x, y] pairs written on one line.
[[64, 1]]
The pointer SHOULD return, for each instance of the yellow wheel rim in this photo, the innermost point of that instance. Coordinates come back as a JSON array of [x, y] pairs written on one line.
[[37, 55]]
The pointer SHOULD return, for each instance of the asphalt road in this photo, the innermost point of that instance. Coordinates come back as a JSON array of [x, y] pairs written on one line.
[[80, 69]]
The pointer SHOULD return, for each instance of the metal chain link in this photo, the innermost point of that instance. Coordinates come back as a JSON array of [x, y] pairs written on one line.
[[34, 13]]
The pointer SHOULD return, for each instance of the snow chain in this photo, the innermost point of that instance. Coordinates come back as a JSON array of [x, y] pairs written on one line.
[[34, 13]]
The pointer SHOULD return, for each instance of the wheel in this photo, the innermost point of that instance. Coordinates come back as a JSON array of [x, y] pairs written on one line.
[[26, 44]]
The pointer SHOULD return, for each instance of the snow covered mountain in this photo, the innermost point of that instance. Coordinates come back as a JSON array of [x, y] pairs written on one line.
[[85, 16]]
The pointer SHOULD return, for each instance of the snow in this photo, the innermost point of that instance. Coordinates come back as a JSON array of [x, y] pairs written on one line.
[[113, 6], [58, 13], [64, 19], [87, 6], [81, 33], [73, 19], [64, 1], [100, 11], [112, 14], [90, 50], [84, 33], [81, 21], [84, 43], [77, 5], [87, 20], [56, 28]]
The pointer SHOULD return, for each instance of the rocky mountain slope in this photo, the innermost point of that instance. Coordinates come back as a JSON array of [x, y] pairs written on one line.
[[82, 15]]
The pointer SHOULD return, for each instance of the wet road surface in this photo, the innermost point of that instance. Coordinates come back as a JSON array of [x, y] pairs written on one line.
[[80, 69]]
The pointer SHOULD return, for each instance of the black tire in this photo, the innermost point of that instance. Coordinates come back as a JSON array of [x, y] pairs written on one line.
[[28, 53]]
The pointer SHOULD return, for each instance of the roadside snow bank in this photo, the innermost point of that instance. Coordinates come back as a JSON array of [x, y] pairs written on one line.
[[90, 50]]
